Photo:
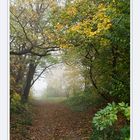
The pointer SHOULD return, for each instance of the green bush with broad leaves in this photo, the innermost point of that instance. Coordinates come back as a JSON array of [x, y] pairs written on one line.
[[105, 122]]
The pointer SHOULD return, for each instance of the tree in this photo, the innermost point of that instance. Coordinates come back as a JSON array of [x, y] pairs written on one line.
[[98, 32], [29, 38]]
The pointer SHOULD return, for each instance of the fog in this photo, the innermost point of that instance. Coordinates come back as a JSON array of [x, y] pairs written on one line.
[[60, 80]]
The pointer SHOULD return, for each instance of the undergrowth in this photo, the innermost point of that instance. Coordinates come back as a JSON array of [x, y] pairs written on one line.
[[20, 118], [83, 100], [112, 123]]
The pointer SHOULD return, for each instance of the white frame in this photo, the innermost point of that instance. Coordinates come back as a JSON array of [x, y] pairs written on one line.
[[4, 70], [135, 69]]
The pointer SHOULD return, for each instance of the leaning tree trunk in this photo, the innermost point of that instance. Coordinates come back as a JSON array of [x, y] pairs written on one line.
[[29, 79], [104, 95]]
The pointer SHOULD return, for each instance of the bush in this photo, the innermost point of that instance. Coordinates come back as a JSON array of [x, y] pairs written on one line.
[[105, 122], [21, 116], [105, 117], [15, 104], [83, 100]]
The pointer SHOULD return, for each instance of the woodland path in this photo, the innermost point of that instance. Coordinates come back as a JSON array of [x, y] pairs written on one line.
[[56, 121]]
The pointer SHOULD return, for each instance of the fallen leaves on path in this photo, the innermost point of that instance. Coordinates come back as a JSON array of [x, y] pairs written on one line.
[[56, 121]]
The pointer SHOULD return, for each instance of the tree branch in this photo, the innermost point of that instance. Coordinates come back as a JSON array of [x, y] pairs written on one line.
[[23, 28], [41, 74]]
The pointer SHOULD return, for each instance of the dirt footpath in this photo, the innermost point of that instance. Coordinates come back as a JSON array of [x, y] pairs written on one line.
[[55, 121]]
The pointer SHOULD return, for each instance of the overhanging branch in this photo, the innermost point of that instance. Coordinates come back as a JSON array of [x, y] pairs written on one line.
[[41, 74]]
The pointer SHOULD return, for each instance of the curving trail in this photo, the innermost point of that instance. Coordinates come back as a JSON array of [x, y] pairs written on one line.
[[55, 121]]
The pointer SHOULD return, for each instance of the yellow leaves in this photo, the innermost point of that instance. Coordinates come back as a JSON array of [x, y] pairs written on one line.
[[108, 25], [15, 100], [71, 11], [76, 27], [94, 24], [104, 25], [100, 26], [82, 28], [101, 15], [101, 7], [106, 20], [59, 26], [104, 42], [16, 97], [114, 1], [64, 46], [92, 33], [88, 32]]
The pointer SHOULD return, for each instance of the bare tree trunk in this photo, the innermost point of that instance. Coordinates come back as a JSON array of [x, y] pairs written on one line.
[[29, 79]]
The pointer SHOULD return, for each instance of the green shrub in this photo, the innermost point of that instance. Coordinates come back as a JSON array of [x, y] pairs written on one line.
[[105, 117], [21, 116], [125, 109], [105, 123], [125, 133], [15, 104]]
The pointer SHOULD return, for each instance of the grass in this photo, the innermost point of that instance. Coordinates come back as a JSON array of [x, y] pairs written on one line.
[[56, 99]]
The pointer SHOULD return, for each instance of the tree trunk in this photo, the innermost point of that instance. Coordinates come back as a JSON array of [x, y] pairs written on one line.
[[114, 60], [104, 95], [29, 79], [87, 82]]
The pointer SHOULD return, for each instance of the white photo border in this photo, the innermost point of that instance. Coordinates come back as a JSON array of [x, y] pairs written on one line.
[[5, 74], [4, 70], [135, 69]]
